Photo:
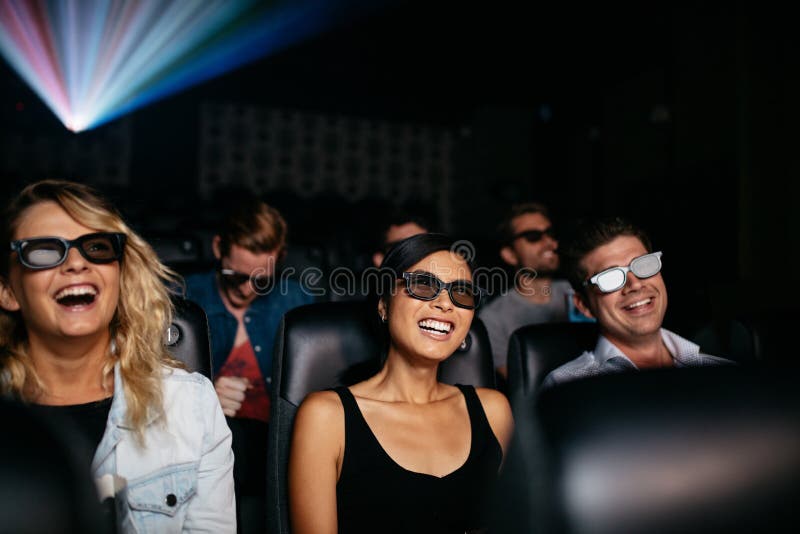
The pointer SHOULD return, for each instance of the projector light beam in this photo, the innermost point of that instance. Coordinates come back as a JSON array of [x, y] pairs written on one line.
[[91, 61]]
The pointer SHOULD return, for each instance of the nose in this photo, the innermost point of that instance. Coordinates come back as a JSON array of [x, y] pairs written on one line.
[[442, 301], [75, 262], [632, 283]]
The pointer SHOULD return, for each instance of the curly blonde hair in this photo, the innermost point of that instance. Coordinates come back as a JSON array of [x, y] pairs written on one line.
[[144, 309]]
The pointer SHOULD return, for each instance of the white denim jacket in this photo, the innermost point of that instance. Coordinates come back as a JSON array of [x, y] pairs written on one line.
[[182, 479]]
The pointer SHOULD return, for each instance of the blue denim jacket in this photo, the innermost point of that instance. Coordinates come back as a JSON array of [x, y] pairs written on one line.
[[261, 320], [182, 478]]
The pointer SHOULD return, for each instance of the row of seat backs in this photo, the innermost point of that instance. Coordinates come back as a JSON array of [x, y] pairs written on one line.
[[324, 345]]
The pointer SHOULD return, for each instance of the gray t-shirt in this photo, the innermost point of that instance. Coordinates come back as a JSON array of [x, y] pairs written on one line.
[[506, 313]]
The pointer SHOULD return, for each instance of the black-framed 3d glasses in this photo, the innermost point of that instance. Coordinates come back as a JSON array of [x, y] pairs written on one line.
[[534, 236], [48, 252], [425, 286], [232, 278], [615, 278]]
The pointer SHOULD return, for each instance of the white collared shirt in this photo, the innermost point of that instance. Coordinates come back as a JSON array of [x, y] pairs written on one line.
[[606, 358]]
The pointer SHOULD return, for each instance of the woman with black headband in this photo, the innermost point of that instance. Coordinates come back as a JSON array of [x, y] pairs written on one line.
[[401, 451]]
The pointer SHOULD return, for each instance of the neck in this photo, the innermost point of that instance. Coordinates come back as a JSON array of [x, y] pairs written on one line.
[[72, 371], [536, 289], [402, 380], [236, 312], [646, 353]]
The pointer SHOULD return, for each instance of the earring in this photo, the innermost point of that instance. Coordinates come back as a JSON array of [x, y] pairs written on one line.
[[463, 345], [383, 318]]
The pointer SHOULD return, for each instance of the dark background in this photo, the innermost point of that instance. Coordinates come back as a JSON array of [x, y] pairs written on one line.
[[682, 117]]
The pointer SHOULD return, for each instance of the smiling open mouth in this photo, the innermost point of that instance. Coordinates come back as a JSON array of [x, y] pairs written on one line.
[[436, 327], [639, 304], [76, 296]]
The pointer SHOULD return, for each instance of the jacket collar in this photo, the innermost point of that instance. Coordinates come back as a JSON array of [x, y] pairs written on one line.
[[117, 424]]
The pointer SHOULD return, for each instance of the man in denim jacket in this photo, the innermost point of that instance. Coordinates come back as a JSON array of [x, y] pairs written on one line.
[[245, 303]]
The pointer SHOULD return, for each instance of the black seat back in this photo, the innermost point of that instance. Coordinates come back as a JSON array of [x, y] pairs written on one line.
[[329, 344], [44, 487], [187, 337], [752, 338], [714, 449], [535, 350]]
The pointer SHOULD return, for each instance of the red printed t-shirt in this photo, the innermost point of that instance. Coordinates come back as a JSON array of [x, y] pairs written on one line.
[[242, 362]]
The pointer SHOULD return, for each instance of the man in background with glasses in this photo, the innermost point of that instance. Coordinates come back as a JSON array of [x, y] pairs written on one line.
[[529, 246], [244, 304], [617, 279]]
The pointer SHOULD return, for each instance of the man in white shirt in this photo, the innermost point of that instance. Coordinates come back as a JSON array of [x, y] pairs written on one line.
[[617, 280]]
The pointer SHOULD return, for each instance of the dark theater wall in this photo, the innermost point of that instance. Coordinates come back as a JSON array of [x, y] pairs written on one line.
[[682, 116]]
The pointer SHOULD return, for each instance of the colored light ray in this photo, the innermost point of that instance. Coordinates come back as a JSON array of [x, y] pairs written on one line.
[[91, 61]]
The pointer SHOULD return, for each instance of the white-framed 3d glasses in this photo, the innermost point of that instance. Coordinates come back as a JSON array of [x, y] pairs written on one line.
[[615, 278]]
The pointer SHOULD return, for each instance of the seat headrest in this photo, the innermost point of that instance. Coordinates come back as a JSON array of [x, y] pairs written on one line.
[[187, 337], [329, 343], [535, 350]]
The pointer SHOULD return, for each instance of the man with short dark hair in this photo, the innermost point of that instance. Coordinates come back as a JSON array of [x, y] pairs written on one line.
[[529, 246], [617, 280], [399, 225]]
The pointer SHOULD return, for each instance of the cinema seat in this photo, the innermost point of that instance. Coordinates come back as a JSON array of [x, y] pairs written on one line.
[[535, 350], [43, 487], [187, 337], [758, 338], [329, 344], [693, 450]]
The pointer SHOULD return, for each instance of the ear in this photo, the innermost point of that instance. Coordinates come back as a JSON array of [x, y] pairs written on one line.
[[382, 311], [215, 247], [509, 256], [8, 301], [578, 301], [377, 259]]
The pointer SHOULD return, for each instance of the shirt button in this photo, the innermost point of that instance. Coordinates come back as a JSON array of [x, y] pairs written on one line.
[[172, 500], [247, 319], [258, 348], [269, 380]]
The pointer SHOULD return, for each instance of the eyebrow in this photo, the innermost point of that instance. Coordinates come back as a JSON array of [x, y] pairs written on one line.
[[622, 265], [457, 280]]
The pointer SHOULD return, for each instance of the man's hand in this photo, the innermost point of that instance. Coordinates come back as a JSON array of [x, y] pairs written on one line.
[[231, 391]]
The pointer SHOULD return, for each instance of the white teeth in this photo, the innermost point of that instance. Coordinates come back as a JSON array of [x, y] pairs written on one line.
[[439, 326], [75, 291], [637, 304]]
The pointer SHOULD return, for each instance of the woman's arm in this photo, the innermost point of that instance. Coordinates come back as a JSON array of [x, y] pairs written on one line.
[[498, 412], [315, 462]]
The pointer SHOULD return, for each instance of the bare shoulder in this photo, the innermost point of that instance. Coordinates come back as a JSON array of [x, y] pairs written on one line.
[[498, 412], [493, 400], [321, 406], [319, 425]]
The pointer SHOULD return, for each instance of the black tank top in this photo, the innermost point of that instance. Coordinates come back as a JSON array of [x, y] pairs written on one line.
[[375, 494]]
